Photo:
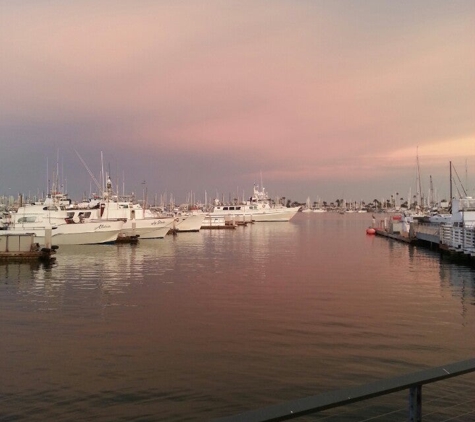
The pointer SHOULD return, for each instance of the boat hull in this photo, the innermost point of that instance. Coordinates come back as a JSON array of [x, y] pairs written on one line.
[[159, 229], [87, 233], [147, 228], [277, 216], [266, 215], [190, 223]]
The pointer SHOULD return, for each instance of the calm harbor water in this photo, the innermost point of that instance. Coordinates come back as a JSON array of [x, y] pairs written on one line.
[[209, 324]]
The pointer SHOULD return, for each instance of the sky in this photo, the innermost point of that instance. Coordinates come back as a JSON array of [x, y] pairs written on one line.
[[324, 99]]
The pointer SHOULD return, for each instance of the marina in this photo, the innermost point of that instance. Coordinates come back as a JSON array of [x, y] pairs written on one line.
[[211, 324], [455, 236], [234, 212]]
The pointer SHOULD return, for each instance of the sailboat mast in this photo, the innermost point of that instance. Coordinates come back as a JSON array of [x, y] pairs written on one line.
[[431, 192], [419, 184], [450, 172], [102, 171]]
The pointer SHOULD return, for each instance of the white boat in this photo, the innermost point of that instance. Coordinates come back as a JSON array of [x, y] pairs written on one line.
[[259, 207], [137, 220], [86, 233], [189, 222], [459, 233], [440, 218], [65, 231], [308, 207]]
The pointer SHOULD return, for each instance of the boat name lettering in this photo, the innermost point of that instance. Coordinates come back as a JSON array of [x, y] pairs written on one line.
[[154, 223], [103, 226]]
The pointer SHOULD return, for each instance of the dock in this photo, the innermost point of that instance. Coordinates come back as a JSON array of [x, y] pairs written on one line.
[[22, 247], [455, 239], [218, 222], [394, 236]]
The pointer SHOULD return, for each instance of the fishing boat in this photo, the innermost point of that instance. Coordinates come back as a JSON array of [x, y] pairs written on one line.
[[137, 221], [37, 218], [259, 207]]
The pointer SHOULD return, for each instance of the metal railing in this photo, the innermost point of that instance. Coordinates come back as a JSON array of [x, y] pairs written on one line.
[[310, 405]]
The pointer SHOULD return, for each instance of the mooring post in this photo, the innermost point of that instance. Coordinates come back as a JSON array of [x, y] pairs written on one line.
[[415, 403], [48, 236]]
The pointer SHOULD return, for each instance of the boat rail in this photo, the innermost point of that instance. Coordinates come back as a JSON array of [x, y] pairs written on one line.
[[428, 228], [310, 405], [458, 238]]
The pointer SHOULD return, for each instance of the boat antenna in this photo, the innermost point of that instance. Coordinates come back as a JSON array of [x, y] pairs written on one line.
[[461, 184], [47, 176], [90, 173], [450, 173], [419, 184], [102, 172]]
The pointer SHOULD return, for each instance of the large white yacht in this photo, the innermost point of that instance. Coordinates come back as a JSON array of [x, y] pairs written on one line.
[[259, 207]]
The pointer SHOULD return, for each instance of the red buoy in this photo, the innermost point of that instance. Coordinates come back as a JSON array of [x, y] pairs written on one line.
[[370, 230]]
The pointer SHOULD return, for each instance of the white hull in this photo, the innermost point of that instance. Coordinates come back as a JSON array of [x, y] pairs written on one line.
[[160, 228], [75, 234], [266, 215], [147, 228], [277, 216], [259, 208], [190, 223]]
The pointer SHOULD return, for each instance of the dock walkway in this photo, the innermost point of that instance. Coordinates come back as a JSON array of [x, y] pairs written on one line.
[[455, 241]]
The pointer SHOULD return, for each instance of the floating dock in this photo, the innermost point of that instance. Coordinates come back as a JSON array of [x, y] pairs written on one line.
[[211, 222], [133, 239], [22, 247]]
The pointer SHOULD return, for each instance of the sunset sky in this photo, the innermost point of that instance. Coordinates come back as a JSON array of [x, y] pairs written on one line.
[[330, 99]]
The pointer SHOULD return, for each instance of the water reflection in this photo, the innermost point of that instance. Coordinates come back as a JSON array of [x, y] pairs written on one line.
[[209, 323], [258, 253]]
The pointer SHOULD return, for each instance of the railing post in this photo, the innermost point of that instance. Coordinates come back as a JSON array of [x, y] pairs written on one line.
[[415, 403]]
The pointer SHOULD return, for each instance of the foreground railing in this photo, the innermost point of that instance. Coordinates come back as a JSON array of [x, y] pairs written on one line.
[[308, 405]]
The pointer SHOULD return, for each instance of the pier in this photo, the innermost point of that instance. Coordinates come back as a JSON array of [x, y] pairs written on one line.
[[455, 238], [456, 242]]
